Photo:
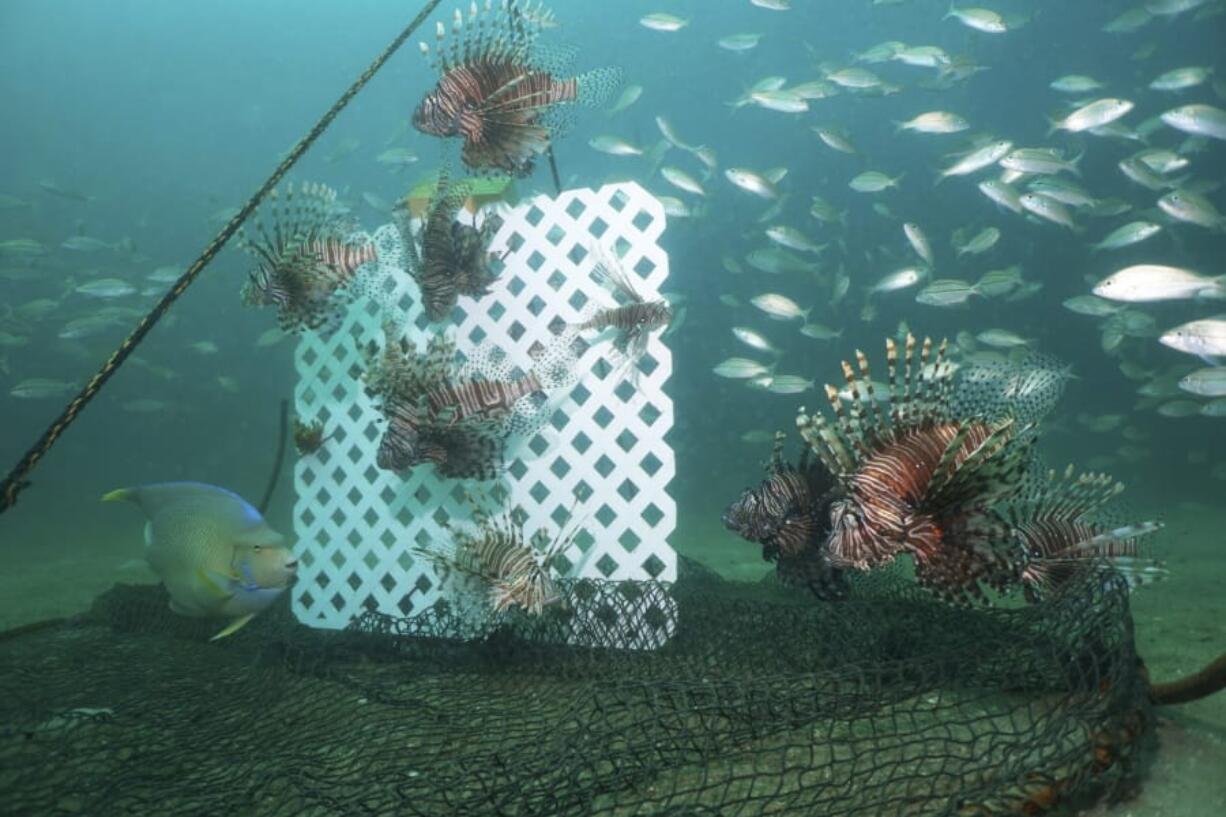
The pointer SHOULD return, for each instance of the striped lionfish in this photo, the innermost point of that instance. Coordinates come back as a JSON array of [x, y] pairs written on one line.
[[788, 514], [633, 319], [459, 417], [914, 477], [516, 572], [498, 91], [1060, 530], [309, 264], [448, 258]]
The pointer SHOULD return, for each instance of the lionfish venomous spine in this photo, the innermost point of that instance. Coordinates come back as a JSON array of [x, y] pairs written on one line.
[[497, 90], [516, 571], [453, 258], [915, 478], [308, 263]]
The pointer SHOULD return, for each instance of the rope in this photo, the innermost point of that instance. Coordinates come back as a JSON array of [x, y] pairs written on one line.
[[1193, 687], [17, 479], [278, 459]]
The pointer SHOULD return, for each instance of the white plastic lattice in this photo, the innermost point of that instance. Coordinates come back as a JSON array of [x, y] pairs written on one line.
[[602, 456]]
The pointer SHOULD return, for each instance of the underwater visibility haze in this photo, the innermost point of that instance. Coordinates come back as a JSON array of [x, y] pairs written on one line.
[[940, 354]]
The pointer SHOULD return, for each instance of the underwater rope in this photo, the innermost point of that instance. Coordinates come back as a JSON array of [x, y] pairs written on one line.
[[278, 459], [1210, 679], [17, 481]]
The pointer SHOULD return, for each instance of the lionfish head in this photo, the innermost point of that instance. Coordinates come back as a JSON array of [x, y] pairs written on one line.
[[661, 314], [257, 291], [750, 518], [430, 117], [399, 449]]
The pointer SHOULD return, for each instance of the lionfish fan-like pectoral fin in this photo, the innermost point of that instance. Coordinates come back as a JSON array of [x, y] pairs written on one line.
[[797, 533], [507, 148], [952, 573], [596, 86], [555, 365], [855, 543], [628, 348], [469, 453], [609, 273]]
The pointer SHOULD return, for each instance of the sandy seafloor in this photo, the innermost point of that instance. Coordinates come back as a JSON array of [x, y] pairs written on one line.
[[1180, 625]]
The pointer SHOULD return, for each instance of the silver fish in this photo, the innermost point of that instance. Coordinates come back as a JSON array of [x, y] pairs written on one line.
[[978, 159], [1144, 283], [946, 292], [1205, 338], [779, 307], [1096, 114], [740, 368], [1200, 120], [1134, 232], [1209, 382], [38, 388]]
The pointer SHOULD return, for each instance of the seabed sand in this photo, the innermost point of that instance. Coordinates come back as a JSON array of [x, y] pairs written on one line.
[[1180, 624]]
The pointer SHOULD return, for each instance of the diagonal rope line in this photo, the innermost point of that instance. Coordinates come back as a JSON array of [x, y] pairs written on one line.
[[17, 479]]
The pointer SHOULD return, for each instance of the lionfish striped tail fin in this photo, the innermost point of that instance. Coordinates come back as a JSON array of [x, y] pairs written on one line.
[[556, 365], [596, 86]]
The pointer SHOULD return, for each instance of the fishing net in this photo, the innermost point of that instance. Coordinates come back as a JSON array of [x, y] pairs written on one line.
[[764, 701]]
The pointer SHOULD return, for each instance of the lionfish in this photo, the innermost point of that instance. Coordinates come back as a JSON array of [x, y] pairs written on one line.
[[498, 90], [1061, 531], [515, 571], [448, 258], [309, 263], [914, 477], [788, 514], [459, 417], [633, 319]]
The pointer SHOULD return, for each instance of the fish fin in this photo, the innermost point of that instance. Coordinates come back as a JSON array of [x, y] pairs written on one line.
[[117, 494], [675, 323], [234, 626], [215, 583]]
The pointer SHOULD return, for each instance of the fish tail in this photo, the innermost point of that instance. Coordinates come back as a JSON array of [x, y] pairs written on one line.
[[596, 86], [118, 494], [556, 365], [234, 626]]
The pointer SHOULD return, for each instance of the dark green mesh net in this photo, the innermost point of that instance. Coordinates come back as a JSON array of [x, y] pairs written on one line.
[[764, 701]]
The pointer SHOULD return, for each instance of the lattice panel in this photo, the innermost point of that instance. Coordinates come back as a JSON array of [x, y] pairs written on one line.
[[601, 456]]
